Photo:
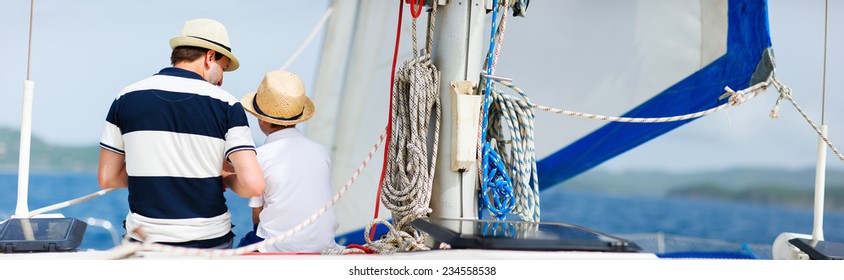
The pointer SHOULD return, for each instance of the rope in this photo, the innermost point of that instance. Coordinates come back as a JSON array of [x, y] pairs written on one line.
[[389, 123], [500, 36], [416, 12], [309, 39], [520, 159], [496, 191], [396, 240], [409, 172], [785, 93], [432, 16], [736, 98]]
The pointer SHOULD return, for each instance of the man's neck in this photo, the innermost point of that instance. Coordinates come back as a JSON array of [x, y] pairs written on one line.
[[195, 66], [274, 129]]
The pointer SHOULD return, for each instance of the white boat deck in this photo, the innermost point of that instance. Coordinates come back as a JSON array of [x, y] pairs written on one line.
[[128, 253]]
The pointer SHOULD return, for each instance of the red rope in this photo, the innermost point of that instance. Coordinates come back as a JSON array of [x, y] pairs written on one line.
[[413, 13], [361, 247], [389, 120]]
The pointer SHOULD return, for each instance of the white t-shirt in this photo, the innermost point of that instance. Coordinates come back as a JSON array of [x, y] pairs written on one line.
[[297, 172]]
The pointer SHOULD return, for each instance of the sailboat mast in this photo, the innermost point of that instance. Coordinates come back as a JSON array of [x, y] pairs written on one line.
[[458, 54]]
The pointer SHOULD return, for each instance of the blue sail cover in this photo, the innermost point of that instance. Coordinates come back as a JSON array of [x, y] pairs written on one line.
[[748, 38]]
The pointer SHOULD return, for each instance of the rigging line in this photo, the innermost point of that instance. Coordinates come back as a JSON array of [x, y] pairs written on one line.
[[785, 93], [389, 118], [736, 98], [310, 38], [29, 48], [489, 71], [500, 37], [432, 18], [825, 46]]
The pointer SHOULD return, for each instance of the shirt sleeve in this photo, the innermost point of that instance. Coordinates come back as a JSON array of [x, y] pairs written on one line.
[[112, 137], [238, 135], [256, 201]]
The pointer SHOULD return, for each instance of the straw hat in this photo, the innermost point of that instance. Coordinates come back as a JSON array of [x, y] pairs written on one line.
[[209, 34], [280, 99]]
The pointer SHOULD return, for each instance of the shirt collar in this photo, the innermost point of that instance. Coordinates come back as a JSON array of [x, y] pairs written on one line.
[[179, 72], [291, 132]]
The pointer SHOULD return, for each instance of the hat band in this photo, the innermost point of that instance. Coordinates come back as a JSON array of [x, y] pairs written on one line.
[[215, 43], [258, 110]]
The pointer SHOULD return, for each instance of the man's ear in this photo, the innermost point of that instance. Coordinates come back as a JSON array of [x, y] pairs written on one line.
[[209, 58]]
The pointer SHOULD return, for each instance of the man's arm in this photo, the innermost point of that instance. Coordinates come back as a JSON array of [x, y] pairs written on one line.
[[248, 178], [256, 214], [111, 172]]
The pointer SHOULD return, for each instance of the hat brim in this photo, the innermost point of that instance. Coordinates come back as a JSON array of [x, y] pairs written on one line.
[[194, 42], [308, 111]]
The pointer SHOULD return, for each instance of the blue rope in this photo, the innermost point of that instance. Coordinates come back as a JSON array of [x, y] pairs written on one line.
[[497, 196], [487, 99], [501, 230], [496, 186]]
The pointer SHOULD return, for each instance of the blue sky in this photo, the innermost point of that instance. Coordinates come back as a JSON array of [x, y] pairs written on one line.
[[85, 51]]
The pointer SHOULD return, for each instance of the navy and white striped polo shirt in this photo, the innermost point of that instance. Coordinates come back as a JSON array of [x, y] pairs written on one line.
[[175, 130]]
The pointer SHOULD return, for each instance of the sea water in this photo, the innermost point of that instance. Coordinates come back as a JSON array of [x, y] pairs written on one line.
[[743, 223]]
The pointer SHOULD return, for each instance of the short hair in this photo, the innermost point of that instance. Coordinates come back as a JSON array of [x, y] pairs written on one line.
[[189, 54], [278, 126]]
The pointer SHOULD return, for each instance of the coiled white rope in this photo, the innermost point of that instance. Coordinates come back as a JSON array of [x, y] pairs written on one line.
[[409, 174], [520, 159]]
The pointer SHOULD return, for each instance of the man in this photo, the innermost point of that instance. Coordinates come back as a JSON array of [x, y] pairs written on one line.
[[168, 137], [296, 169]]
